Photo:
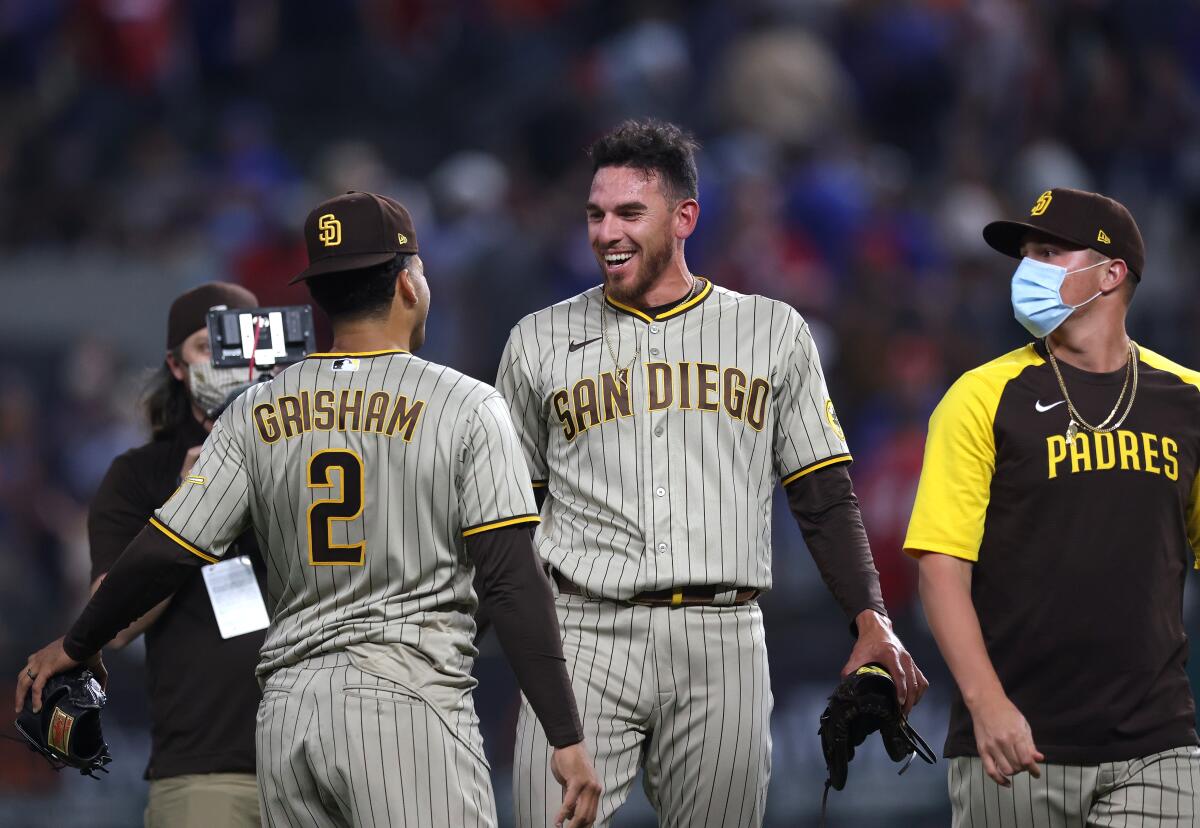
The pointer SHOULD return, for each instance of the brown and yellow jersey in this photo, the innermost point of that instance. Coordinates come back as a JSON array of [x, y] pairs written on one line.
[[1080, 548]]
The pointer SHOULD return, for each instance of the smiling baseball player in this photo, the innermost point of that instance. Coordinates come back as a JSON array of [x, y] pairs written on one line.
[[658, 411]]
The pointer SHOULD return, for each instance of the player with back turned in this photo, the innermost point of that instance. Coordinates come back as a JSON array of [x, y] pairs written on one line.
[[377, 483], [658, 411], [1056, 520]]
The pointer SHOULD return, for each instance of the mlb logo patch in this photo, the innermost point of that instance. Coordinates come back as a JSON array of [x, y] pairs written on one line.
[[345, 364]]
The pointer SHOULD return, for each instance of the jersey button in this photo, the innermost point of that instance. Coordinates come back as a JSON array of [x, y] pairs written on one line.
[[654, 329], [658, 432], [654, 351], [662, 547], [660, 491]]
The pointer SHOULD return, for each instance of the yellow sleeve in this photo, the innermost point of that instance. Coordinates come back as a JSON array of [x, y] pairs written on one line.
[[1193, 521], [956, 477], [1193, 508]]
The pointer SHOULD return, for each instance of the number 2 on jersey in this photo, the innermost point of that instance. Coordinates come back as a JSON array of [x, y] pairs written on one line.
[[322, 551]]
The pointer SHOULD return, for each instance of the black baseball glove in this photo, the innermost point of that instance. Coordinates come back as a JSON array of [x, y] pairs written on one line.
[[864, 702], [67, 729]]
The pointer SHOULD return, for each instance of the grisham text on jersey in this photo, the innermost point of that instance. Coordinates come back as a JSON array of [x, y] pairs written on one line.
[[702, 386], [348, 410]]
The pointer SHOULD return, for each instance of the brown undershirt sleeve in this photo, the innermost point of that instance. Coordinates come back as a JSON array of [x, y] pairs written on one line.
[[483, 615], [513, 586], [826, 509], [150, 569]]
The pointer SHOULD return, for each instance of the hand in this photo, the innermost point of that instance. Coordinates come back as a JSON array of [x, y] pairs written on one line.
[[46, 663], [878, 643], [189, 460], [1004, 739], [572, 767]]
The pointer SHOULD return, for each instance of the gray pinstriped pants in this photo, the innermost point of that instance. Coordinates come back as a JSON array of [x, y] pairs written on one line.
[[340, 747], [1161, 790], [684, 693]]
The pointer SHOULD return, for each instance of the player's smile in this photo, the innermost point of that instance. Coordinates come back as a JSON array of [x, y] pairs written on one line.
[[618, 262]]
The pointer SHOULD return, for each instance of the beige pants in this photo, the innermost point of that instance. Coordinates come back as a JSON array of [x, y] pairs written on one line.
[[1161, 790], [683, 693], [202, 800], [339, 747]]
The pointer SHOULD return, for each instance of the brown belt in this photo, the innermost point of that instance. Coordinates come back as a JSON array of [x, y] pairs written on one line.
[[689, 596]]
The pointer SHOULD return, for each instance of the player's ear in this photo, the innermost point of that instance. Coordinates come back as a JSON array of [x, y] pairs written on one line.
[[1115, 274], [687, 213], [405, 288]]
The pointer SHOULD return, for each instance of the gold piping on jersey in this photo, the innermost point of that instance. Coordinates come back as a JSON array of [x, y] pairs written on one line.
[[828, 461], [538, 484], [202, 555], [360, 354], [500, 524], [682, 307]]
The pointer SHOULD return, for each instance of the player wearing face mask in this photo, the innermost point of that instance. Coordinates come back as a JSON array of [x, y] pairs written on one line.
[[1037, 294], [201, 687], [1056, 519]]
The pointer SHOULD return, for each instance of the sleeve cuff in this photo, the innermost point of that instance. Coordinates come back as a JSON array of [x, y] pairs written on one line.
[[872, 605], [499, 524], [198, 553], [812, 467], [917, 548], [565, 739]]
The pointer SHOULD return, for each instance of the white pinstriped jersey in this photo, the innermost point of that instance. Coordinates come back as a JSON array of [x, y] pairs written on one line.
[[667, 481], [362, 474]]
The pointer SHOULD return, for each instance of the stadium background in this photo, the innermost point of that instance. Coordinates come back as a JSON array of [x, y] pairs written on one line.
[[852, 152]]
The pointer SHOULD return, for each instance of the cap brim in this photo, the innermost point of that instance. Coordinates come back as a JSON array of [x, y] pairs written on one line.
[[336, 264], [1006, 236]]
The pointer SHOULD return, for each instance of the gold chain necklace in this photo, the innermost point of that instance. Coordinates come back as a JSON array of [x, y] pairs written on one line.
[[623, 373], [1131, 371]]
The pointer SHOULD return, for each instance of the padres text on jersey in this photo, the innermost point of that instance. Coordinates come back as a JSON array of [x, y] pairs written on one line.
[[1004, 488]]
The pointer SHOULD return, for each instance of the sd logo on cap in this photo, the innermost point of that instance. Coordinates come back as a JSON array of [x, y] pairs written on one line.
[[1084, 219], [354, 231]]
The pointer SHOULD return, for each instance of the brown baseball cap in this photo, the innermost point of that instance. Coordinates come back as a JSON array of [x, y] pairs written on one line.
[[189, 312], [1079, 217], [354, 231]]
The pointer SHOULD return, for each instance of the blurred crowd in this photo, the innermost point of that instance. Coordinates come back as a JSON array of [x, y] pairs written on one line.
[[852, 151]]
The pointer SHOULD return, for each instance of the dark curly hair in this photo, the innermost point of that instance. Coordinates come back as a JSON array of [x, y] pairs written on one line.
[[358, 294], [652, 146]]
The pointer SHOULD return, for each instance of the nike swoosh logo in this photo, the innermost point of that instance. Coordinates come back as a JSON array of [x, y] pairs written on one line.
[[1043, 408], [575, 346]]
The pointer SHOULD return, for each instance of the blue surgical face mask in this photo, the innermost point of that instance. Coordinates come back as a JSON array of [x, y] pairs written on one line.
[[1037, 295]]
